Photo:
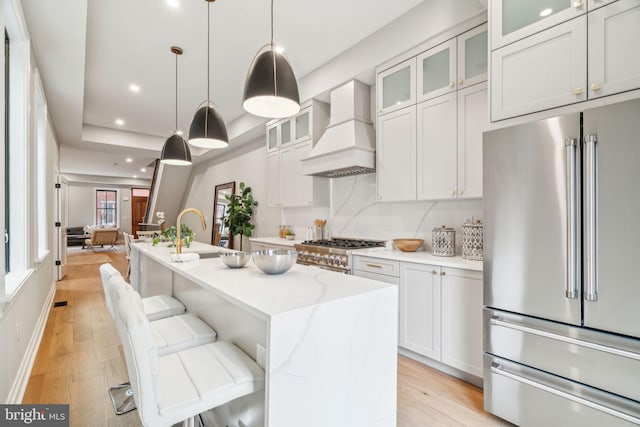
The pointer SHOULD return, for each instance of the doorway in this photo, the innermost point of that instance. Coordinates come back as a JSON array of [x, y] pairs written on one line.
[[139, 200]]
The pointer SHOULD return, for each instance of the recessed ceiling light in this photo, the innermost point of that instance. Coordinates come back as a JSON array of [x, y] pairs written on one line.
[[173, 3], [129, 159], [143, 170], [119, 122], [279, 49], [134, 88], [546, 12], [179, 132]]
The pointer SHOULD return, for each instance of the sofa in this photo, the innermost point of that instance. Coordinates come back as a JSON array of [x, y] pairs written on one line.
[[75, 236]]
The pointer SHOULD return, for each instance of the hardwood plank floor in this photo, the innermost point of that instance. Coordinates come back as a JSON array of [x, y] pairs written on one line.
[[80, 356]]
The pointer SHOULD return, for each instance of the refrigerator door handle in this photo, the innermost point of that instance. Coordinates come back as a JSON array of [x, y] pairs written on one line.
[[498, 369], [498, 321], [590, 228], [571, 287]]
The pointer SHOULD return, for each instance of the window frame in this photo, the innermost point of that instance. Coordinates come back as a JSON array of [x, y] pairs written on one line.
[[116, 208]]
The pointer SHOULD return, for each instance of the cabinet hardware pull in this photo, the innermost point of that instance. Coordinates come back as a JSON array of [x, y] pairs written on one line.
[[434, 272], [452, 84], [374, 265], [577, 4], [452, 192], [595, 86], [460, 81], [577, 91], [460, 192]]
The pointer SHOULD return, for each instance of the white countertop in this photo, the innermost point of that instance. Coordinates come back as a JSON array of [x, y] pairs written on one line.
[[265, 295], [275, 241], [422, 257]]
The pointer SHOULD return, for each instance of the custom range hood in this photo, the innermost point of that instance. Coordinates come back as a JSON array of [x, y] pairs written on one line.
[[348, 145]]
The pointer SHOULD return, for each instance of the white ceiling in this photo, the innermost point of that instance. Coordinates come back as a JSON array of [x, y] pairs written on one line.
[[89, 52]]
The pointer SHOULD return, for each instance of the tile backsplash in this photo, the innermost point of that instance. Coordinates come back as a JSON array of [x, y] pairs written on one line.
[[354, 212]]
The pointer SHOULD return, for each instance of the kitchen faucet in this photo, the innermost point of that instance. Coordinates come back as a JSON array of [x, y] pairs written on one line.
[[179, 226]]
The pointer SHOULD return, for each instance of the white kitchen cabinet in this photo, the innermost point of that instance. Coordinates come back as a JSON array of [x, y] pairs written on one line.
[[515, 20], [288, 142], [614, 32], [437, 71], [396, 155], [420, 316], [436, 148], [452, 65], [461, 292], [441, 314], [473, 56], [594, 4], [449, 144], [473, 119], [396, 87], [546, 70], [273, 179]]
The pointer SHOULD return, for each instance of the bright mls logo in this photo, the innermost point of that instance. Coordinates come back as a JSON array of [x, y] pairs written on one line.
[[34, 415]]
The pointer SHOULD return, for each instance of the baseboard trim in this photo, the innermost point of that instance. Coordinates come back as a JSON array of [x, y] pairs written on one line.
[[24, 371]]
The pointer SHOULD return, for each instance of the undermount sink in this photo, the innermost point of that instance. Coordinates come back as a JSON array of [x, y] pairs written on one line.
[[204, 255]]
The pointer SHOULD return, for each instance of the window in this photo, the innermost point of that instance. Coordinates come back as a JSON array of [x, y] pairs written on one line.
[[106, 207]]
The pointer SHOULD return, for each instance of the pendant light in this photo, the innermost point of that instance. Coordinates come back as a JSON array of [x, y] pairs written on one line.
[[270, 89], [176, 150], [207, 127]]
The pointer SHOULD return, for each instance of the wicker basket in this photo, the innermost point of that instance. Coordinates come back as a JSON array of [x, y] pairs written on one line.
[[443, 241], [472, 241]]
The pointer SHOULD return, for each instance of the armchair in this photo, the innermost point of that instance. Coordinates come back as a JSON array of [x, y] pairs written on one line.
[[101, 237]]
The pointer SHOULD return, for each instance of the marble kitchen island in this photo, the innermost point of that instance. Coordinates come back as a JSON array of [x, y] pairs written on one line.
[[327, 341]]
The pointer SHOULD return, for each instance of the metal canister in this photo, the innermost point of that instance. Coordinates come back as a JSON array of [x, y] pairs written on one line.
[[443, 241], [472, 240]]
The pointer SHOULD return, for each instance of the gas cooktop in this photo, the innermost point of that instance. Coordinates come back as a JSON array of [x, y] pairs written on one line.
[[344, 243]]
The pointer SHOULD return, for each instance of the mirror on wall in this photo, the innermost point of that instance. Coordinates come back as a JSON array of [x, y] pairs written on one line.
[[220, 235]]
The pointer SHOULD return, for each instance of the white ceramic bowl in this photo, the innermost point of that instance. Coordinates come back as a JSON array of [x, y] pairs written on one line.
[[273, 261], [235, 259]]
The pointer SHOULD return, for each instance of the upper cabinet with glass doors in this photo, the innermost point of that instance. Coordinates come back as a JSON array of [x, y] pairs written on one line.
[[397, 87], [513, 20], [453, 65]]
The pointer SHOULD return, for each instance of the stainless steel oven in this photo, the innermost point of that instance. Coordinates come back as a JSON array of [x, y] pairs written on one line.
[[333, 254]]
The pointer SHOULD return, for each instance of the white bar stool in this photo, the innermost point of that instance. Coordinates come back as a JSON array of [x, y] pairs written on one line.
[[177, 387], [170, 334]]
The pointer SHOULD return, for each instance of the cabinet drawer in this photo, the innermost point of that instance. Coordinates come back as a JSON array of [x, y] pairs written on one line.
[[380, 277], [376, 266], [529, 397]]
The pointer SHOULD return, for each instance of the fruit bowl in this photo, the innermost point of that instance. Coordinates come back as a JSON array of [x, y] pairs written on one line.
[[408, 245]]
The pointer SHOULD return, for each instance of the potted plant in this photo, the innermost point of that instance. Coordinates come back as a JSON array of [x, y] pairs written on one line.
[[171, 234], [239, 212]]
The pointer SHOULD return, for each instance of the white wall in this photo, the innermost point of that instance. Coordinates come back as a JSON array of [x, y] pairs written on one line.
[[248, 165], [82, 199]]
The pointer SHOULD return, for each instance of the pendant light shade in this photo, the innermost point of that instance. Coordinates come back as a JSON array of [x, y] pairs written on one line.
[[175, 150], [271, 89], [207, 128]]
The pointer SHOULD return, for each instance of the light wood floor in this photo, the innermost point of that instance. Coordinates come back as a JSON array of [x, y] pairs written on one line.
[[80, 356]]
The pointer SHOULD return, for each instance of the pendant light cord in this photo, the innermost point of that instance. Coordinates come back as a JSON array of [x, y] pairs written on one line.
[[271, 24], [176, 92], [208, 47]]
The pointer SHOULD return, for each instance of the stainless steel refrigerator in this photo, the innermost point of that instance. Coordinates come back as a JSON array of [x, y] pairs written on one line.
[[562, 269]]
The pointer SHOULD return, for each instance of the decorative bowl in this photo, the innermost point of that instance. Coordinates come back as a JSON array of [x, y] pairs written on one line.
[[235, 259], [272, 261], [408, 245]]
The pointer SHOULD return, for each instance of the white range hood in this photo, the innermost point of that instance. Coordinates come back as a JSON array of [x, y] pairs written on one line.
[[348, 145]]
